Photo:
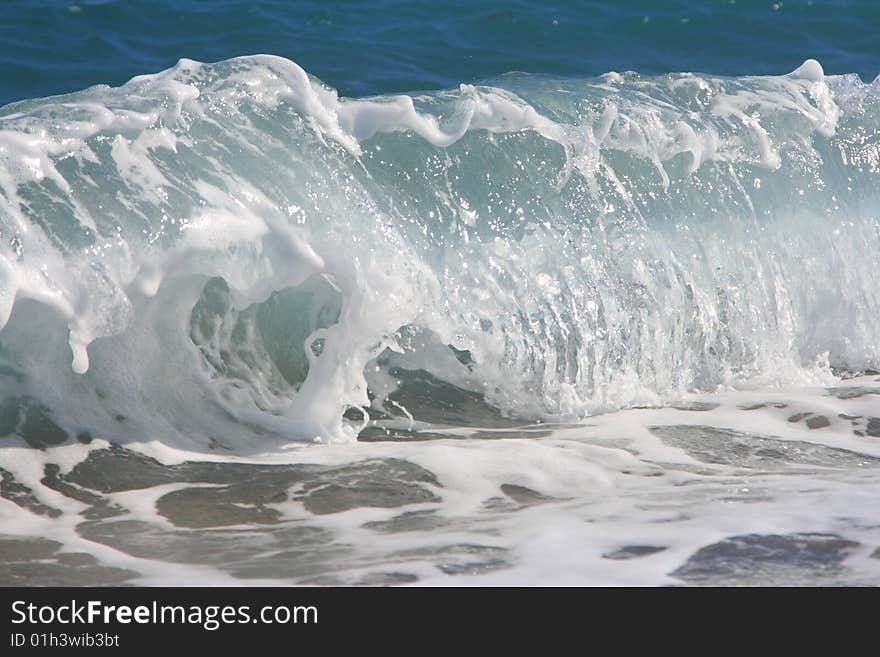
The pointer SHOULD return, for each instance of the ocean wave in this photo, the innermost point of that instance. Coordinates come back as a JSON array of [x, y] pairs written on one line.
[[223, 253]]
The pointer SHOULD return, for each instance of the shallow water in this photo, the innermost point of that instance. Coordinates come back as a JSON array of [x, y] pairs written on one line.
[[742, 493], [550, 322]]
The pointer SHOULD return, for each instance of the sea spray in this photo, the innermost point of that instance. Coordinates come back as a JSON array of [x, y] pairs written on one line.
[[227, 253]]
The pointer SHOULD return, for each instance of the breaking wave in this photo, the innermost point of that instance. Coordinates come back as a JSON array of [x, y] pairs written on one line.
[[226, 253]]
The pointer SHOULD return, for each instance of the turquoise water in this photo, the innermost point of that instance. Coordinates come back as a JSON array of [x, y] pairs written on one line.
[[428, 294], [50, 47]]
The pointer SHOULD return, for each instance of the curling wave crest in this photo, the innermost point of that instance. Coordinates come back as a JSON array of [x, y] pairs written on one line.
[[230, 252]]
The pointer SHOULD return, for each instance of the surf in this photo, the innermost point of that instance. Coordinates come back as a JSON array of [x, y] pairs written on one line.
[[224, 255]]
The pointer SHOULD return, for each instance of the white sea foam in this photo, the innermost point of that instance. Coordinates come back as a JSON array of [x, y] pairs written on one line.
[[592, 491], [583, 245]]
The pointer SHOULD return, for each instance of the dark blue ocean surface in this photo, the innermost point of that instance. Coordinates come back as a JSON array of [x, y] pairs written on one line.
[[549, 330], [54, 46]]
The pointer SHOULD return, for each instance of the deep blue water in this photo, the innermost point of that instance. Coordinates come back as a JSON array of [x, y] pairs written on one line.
[[54, 46], [223, 261]]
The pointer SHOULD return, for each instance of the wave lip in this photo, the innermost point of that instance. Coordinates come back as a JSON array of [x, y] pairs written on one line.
[[232, 244]]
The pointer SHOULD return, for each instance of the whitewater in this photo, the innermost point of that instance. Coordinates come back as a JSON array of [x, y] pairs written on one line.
[[613, 330]]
